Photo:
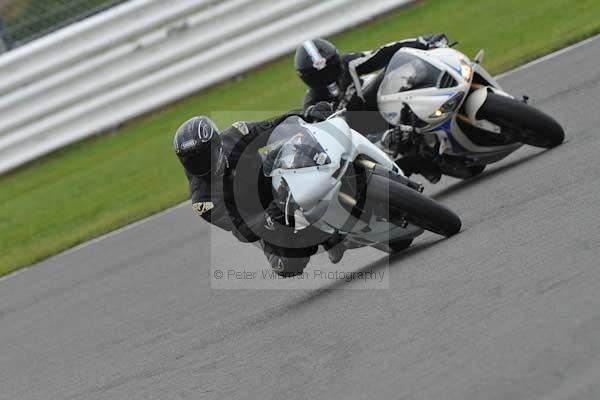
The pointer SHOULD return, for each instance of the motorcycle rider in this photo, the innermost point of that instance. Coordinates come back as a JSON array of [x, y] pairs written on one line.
[[329, 74], [229, 190], [337, 78]]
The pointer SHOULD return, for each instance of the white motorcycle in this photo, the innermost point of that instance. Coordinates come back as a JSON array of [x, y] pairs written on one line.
[[451, 114], [332, 178]]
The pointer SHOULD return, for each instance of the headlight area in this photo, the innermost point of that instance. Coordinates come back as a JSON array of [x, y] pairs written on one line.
[[466, 70], [449, 106]]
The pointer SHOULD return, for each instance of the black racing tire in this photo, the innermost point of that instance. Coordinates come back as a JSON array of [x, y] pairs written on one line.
[[414, 206], [524, 123]]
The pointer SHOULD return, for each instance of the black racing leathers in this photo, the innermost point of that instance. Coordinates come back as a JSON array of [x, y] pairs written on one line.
[[239, 198], [313, 96]]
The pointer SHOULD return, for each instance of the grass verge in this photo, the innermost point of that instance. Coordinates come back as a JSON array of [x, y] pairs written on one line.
[[105, 182]]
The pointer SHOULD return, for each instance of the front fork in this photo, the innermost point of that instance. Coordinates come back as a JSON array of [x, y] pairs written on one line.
[[372, 168], [355, 206]]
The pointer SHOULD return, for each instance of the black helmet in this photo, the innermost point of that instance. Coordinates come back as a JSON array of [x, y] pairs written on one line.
[[318, 63], [198, 145]]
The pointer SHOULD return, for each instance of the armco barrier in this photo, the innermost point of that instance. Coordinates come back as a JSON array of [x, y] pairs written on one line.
[[141, 55]]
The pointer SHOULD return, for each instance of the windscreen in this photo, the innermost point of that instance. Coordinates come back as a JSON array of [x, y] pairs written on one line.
[[408, 72], [292, 146]]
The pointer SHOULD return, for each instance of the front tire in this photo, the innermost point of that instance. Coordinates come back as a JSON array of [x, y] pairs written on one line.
[[414, 207], [524, 123]]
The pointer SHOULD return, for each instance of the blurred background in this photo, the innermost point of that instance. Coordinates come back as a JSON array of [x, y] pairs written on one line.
[[25, 20]]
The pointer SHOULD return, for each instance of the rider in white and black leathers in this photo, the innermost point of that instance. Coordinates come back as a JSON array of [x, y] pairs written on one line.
[[337, 79], [229, 190], [329, 74]]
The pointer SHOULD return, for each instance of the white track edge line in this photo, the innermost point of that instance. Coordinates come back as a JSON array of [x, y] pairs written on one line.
[[549, 56], [97, 239]]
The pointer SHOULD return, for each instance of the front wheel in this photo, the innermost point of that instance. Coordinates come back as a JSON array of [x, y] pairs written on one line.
[[522, 122], [406, 204]]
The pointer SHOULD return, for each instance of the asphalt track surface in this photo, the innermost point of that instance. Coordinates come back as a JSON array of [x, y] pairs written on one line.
[[507, 309]]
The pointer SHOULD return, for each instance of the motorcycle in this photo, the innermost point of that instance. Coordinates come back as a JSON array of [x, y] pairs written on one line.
[[331, 178], [450, 116]]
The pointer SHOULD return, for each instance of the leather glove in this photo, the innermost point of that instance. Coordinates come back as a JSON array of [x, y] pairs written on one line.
[[395, 138], [318, 112]]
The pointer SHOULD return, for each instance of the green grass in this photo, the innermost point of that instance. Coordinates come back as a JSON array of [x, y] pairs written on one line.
[[105, 182]]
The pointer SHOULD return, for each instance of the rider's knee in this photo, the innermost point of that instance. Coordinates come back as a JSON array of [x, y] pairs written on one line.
[[287, 267]]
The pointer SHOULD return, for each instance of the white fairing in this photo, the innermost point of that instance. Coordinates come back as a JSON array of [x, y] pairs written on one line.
[[310, 185], [424, 102], [316, 190], [427, 104], [481, 71]]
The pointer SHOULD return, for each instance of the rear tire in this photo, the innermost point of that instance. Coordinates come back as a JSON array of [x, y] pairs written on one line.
[[524, 123], [417, 208]]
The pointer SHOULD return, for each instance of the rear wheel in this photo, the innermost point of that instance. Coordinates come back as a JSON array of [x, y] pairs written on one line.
[[406, 204], [522, 122]]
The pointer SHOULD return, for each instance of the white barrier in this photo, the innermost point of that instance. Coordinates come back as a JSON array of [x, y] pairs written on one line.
[[98, 73]]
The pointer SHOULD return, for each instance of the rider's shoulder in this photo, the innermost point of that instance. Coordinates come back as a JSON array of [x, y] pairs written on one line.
[[346, 58]]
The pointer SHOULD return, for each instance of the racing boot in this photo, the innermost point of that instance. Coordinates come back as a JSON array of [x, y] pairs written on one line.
[[335, 248], [430, 171], [416, 165]]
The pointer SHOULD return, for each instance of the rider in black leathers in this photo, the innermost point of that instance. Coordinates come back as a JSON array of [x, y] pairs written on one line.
[[229, 190]]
